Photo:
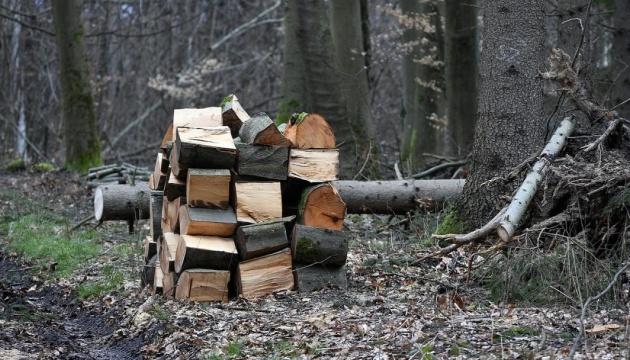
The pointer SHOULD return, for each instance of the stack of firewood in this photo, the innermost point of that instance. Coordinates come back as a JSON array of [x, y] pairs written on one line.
[[241, 207]]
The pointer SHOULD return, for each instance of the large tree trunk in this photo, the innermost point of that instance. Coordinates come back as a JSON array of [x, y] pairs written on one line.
[[81, 141], [461, 57], [348, 38], [621, 56], [511, 123], [422, 80], [310, 82]]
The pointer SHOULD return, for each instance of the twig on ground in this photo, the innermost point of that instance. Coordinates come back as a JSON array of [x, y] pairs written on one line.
[[438, 168], [82, 222], [611, 127], [580, 336]]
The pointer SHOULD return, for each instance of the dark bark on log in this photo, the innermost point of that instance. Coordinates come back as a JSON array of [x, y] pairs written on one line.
[[205, 148], [261, 239], [268, 162], [155, 210], [148, 271], [396, 196], [319, 246], [316, 277], [174, 188], [205, 252], [122, 202], [200, 221], [260, 130]]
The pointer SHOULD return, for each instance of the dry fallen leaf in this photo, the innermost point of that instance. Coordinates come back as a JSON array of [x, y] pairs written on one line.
[[597, 329]]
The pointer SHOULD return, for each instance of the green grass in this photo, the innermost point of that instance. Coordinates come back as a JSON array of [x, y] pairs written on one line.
[[44, 237], [111, 280], [232, 351], [44, 167], [16, 165]]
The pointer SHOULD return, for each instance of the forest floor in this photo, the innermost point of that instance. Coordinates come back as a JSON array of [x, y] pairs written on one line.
[[76, 294]]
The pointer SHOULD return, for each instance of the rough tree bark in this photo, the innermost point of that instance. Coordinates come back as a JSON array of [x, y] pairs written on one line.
[[422, 80], [81, 140], [310, 82], [348, 38], [511, 122], [621, 56], [461, 57]]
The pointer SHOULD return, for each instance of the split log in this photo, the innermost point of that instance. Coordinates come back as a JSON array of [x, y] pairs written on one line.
[[169, 283], [233, 114], [168, 252], [122, 202], [321, 206], [157, 279], [203, 285], [314, 165], [210, 148], [161, 164], [148, 271], [317, 277], [210, 252], [269, 162], [206, 117], [150, 249], [201, 221], [261, 239], [309, 131], [160, 172], [261, 130], [172, 215], [396, 196], [311, 245], [174, 188], [166, 139], [155, 214], [257, 201], [265, 275], [208, 188]]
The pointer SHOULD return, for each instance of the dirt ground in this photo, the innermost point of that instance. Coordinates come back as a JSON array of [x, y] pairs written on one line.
[[391, 310]]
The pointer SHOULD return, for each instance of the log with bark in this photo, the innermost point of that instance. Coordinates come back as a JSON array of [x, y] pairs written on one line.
[[397, 196], [155, 214], [210, 252], [309, 131], [203, 285], [261, 239], [261, 130], [202, 221], [211, 148], [321, 206], [233, 114], [174, 188], [172, 214], [267, 162], [122, 202], [311, 245], [265, 275], [150, 248], [168, 252], [316, 277]]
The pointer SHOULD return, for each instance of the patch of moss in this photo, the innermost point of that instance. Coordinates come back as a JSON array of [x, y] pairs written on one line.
[[451, 224], [16, 165], [226, 100], [44, 167], [91, 158]]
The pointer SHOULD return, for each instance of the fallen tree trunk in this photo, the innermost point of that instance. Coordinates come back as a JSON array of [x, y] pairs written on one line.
[[396, 196], [122, 202]]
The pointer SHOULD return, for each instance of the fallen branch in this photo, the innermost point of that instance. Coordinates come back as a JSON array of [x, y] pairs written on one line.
[[611, 127], [439, 167]]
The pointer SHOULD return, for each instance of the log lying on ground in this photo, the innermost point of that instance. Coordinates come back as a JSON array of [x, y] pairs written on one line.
[[203, 285], [321, 206], [233, 114], [257, 201], [311, 245], [309, 131], [210, 148], [316, 277], [210, 252], [396, 196], [168, 252], [261, 130], [122, 202], [314, 165], [265, 275], [269, 162], [155, 214], [208, 188], [261, 239], [205, 117], [201, 221]]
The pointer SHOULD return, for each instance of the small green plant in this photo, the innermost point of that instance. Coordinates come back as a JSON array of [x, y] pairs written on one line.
[[44, 167], [112, 280], [159, 313], [451, 224], [234, 348], [16, 165], [520, 331], [284, 348]]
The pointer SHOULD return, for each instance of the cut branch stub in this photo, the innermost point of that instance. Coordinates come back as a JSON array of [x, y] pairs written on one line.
[[260, 130], [322, 207], [309, 131]]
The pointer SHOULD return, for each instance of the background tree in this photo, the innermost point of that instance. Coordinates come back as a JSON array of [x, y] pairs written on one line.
[[461, 65], [82, 144], [621, 56], [511, 122]]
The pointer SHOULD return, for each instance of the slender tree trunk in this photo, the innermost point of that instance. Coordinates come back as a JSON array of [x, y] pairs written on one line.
[[310, 82], [18, 87], [422, 81], [462, 57], [350, 55], [511, 122], [82, 146], [621, 56]]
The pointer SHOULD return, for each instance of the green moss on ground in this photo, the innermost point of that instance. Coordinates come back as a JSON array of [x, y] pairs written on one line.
[[451, 224], [16, 165], [44, 167]]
